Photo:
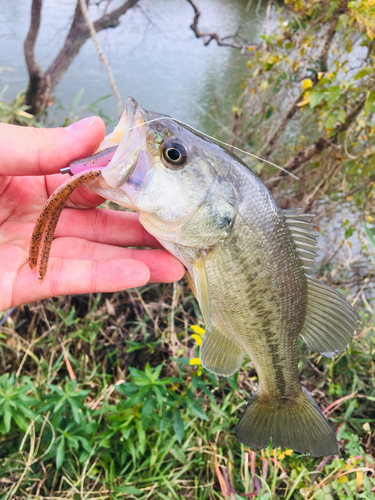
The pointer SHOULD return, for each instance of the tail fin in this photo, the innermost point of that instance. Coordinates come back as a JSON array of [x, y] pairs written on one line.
[[300, 426]]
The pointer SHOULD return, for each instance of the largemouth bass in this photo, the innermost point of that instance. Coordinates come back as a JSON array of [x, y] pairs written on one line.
[[247, 262]]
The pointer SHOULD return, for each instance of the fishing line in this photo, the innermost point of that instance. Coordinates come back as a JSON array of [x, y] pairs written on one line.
[[214, 139]]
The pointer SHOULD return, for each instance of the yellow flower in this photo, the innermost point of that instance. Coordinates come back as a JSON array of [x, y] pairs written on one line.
[[195, 362], [366, 426], [359, 478], [320, 74], [342, 479], [197, 338], [288, 452], [330, 75], [307, 83], [197, 329], [251, 48], [280, 456]]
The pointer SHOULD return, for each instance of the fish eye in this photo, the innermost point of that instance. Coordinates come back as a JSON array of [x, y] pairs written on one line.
[[175, 154]]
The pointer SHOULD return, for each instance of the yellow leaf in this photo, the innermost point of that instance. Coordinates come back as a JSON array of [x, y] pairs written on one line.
[[307, 83], [349, 467], [288, 452], [305, 101], [197, 338], [342, 479], [280, 456], [24, 114], [359, 478], [366, 426], [320, 74], [197, 329], [195, 361]]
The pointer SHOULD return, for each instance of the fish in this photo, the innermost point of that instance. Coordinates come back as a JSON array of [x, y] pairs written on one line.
[[247, 261]]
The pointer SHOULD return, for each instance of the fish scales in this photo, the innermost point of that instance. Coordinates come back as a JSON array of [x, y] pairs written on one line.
[[247, 262], [259, 304]]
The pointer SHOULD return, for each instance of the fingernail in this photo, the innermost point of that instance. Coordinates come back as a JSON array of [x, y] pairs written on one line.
[[81, 124]]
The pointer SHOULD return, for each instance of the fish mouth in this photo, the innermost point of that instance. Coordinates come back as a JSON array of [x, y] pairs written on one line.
[[132, 131], [122, 158]]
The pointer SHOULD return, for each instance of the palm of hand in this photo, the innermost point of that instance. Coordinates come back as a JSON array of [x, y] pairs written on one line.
[[88, 253]]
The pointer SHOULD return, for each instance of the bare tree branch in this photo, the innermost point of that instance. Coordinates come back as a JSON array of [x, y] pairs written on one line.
[[29, 44], [43, 83], [234, 41]]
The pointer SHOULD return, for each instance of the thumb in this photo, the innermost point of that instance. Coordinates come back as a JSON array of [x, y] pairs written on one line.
[[42, 151]]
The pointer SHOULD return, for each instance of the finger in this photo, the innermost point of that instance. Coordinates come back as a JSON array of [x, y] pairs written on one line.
[[105, 226], [163, 266], [67, 277], [41, 151]]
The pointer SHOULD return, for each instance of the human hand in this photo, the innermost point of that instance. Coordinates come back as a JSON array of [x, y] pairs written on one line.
[[88, 253]]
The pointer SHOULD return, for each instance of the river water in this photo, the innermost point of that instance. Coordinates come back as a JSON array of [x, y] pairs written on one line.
[[154, 55]]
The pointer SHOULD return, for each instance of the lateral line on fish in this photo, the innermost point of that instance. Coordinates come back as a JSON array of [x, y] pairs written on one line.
[[44, 230], [213, 138]]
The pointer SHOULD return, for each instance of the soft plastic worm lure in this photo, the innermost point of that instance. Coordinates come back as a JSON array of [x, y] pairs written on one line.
[[41, 239]]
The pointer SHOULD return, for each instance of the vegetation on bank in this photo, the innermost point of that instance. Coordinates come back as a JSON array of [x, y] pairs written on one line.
[[101, 396]]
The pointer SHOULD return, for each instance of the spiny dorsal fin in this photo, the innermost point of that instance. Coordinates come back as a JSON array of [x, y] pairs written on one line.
[[330, 320], [219, 354], [304, 236]]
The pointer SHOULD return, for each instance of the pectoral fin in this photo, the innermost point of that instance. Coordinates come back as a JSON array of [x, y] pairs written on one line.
[[202, 290], [219, 354], [330, 320]]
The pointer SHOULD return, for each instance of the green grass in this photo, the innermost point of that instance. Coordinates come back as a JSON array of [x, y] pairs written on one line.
[[98, 401]]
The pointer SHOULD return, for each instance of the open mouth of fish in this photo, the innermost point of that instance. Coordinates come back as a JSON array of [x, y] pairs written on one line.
[[115, 172]]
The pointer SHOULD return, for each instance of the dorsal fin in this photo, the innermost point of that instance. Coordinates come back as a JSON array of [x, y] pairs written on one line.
[[304, 236]]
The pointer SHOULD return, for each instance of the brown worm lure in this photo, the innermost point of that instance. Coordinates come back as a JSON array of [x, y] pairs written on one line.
[[41, 239]]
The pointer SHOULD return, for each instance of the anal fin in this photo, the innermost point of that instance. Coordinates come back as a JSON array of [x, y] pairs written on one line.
[[219, 354], [330, 320]]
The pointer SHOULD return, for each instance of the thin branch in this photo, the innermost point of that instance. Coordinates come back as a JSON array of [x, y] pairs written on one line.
[[331, 31], [234, 41], [320, 144], [102, 56], [360, 186]]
